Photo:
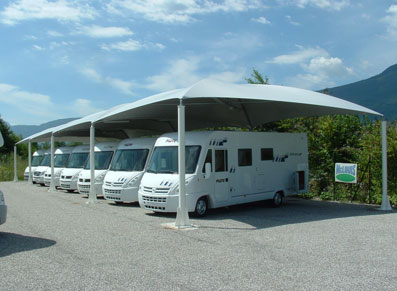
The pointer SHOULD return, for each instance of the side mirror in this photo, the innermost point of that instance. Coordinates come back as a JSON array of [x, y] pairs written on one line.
[[1, 140], [207, 173]]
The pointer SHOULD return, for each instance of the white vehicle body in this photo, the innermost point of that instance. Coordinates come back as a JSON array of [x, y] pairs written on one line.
[[121, 182], [37, 157], [76, 163], [103, 156], [3, 206], [38, 173], [61, 158], [225, 168]]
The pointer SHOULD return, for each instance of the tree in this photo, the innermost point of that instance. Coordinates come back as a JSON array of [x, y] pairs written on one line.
[[257, 78]]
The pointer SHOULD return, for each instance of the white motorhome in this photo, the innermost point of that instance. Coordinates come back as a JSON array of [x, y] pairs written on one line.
[[103, 156], [38, 173], [61, 158], [37, 157], [225, 168], [125, 173], [76, 163]]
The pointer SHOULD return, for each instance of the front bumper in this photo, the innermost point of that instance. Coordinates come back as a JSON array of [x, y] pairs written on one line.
[[119, 194], [67, 184], [84, 188]]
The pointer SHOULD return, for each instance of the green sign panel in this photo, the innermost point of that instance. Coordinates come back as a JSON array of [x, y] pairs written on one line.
[[346, 173]]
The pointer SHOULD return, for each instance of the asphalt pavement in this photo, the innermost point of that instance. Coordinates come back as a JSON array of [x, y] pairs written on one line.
[[54, 240]]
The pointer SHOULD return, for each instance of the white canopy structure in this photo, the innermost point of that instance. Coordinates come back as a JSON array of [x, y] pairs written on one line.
[[208, 103]]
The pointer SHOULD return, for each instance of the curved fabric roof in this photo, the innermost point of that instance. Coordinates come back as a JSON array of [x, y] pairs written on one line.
[[211, 103]]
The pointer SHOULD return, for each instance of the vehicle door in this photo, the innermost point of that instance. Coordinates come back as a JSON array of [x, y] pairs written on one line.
[[221, 175]]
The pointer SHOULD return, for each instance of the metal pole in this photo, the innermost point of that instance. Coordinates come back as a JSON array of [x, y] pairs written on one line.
[[385, 199], [52, 183], [30, 180], [92, 195], [15, 164], [182, 215]]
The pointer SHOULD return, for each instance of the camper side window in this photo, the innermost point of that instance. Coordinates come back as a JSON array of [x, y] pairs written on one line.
[[267, 155], [244, 157], [208, 159], [221, 161]]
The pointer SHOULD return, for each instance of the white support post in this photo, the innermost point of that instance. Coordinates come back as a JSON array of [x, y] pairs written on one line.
[[30, 180], [92, 195], [182, 215], [385, 198], [52, 183], [15, 164]]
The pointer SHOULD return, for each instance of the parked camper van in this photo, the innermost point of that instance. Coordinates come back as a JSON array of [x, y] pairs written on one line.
[[225, 168], [76, 163], [38, 173], [103, 156], [3, 206], [37, 157], [125, 173], [61, 158]]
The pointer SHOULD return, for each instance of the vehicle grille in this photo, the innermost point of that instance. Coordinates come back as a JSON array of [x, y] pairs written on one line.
[[153, 190], [154, 207], [66, 177], [84, 180], [84, 189], [154, 199], [114, 184], [36, 173], [111, 192], [114, 198]]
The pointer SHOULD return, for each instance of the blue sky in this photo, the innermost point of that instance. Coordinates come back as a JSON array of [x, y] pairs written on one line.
[[71, 58]]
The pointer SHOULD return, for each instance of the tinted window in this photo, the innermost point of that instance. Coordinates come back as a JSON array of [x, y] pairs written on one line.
[[221, 161], [208, 159], [60, 161], [244, 157], [165, 159], [102, 160], [129, 160], [267, 154], [77, 160]]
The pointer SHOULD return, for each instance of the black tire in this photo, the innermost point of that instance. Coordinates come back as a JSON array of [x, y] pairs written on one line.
[[201, 208], [278, 199], [70, 191]]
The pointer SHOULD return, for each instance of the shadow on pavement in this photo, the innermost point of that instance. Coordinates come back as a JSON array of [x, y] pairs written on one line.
[[11, 243], [261, 214]]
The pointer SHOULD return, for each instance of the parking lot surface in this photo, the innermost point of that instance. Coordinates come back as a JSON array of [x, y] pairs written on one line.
[[54, 240]]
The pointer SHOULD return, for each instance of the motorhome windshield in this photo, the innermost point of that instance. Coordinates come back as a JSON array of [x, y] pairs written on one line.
[[77, 160], [61, 160], [46, 162], [165, 159], [129, 160], [36, 160], [102, 160]]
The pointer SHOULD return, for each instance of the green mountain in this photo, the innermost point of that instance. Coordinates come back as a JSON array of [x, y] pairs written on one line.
[[28, 130], [378, 93]]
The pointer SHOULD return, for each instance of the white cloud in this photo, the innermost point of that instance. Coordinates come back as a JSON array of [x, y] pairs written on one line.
[[96, 31], [122, 86], [299, 56], [323, 4], [27, 102], [54, 33], [37, 47], [321, 72], [391, 20], [289, 19], [185, 72], [83, 107], [261, 20], [60, 10], [180, 11], [127, 46]]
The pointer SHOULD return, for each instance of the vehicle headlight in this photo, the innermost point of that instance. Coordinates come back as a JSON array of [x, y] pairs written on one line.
[[100, 177], [132, 181]]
